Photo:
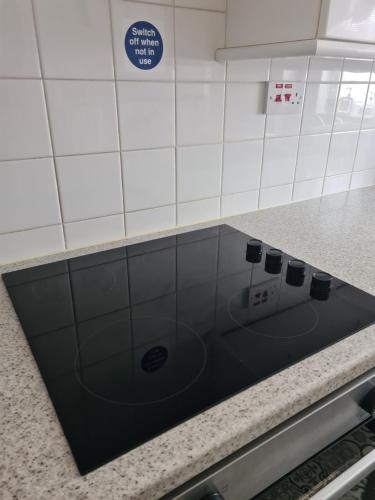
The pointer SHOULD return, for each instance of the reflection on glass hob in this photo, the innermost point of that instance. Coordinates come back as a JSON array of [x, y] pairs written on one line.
[[132, 341]]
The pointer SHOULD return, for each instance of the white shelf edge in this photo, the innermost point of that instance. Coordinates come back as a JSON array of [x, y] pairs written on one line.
[[314, 47]]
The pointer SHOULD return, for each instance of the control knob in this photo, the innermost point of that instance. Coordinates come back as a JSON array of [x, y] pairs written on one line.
[[274, 261], [320, 285], [254, 251], [295, 275]]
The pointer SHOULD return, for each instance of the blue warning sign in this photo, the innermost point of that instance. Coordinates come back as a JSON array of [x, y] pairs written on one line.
[[143, 45]]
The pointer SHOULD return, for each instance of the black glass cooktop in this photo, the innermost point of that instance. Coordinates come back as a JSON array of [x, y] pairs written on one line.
[[132, 341]]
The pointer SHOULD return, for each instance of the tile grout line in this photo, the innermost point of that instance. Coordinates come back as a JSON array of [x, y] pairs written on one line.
[[117, 114], [49, 123], [264, 135], [240, 141], [130, 80], [360, 126], [224, 116], [67, 223], [300, 130], [29, 229], [332, 128], [159, 4]]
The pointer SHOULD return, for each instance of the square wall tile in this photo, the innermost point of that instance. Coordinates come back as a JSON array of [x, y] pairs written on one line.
[[198, 35], [149, 178], [336, 184], [365, 158], [363, 179], [242, 166], [252, 70], [31, 243], [325, 69], [279, 161], [320, 106], [292, 69], [356, 70], [369, 113], [75, 38], [274, 196], [90, 232], [146, 111], [203, 4], [307, 189], [18, 53], [148, 221], [90, 186], [199, 172], [83, 116], [28, 195], [283, 125], [124, 14], [24, 129], [312, 156], [200, 113], [350, 106], [245, 111], [239, 203], [198, 211], [342, 153]]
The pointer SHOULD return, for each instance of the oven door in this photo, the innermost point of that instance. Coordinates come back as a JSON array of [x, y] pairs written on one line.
[[328, 445], [344, 470]]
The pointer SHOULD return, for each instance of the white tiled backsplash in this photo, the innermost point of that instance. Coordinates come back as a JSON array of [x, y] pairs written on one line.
[[93, 149]]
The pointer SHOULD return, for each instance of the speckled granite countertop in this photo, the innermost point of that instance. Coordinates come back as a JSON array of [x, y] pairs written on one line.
[[335, 233]]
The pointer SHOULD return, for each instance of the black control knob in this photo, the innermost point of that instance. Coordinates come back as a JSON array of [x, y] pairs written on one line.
[[295, 275], [320, 285], [274, 261], [368, 404], [213, 496], [254, 251]]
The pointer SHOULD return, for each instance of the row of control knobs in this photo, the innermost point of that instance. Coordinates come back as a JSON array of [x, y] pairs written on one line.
[[296, 271]]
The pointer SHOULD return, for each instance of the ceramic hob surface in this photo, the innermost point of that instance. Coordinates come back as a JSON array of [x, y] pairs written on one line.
[[132, 341]]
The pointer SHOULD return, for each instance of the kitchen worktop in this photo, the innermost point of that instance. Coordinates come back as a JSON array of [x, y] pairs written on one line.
[[335, 233]]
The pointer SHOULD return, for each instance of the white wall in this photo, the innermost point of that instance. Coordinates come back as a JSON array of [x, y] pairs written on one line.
[[93, 149]]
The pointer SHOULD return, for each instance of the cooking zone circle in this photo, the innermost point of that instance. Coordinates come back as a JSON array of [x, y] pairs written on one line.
[[145, 374], [275, 321]]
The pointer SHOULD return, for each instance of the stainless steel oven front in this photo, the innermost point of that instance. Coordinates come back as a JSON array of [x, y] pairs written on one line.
[[325, 452]]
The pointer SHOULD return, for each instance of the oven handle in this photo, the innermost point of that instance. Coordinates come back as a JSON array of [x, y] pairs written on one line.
[[345, 481]]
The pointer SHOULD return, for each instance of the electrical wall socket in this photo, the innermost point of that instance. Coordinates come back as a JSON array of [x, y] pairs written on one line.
[[285, 98]]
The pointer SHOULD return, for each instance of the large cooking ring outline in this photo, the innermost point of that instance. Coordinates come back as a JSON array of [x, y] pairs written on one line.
[[161, 400], [275, 337]]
